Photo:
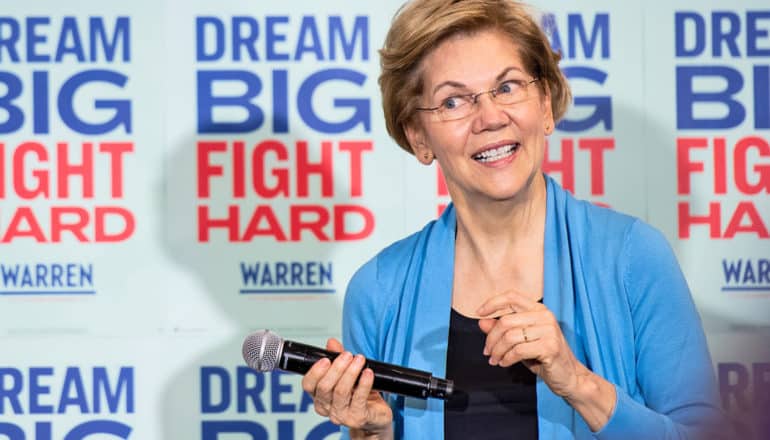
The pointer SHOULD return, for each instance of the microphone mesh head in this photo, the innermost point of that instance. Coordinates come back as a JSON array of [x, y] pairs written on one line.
[[262, 350]]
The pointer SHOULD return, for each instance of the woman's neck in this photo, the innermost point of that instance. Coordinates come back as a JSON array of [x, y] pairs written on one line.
[[499, 246], [489, 227]]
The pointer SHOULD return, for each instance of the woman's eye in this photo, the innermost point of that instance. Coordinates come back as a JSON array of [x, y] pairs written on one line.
[[508, 87], [450, 103]]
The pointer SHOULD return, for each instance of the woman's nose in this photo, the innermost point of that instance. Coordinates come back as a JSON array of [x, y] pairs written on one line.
[[489, 114]]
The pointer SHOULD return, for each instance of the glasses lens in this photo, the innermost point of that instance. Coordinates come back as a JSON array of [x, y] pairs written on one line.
[[462, 107], [507, 93], [511, 92]]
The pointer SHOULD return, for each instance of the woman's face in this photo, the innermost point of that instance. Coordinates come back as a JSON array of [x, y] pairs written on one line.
[[494, 152]]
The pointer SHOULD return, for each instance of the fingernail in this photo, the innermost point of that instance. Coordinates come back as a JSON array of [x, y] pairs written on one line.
[[346, 356], [492, 361], [359, 359], [486, 351]]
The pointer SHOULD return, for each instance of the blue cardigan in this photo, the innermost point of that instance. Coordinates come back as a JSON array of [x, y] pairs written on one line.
[[613, 284]]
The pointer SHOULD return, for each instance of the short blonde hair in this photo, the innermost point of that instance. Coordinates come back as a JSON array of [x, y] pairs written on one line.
[[421, 25]]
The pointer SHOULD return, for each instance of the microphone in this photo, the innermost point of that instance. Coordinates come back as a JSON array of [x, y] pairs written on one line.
[[264, 351]]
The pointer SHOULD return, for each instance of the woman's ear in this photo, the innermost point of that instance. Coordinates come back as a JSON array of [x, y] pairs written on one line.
[[549, 125], [416, 138]]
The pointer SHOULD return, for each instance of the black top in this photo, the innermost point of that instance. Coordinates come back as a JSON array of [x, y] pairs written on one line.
[[489, 402]]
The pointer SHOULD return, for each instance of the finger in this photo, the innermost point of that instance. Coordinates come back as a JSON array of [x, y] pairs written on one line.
[[521, 352], [493, 337], [361, 394], [343, 391], [334, 345], [510, 301], [499, 304], [314, 374], [504, 310], [524, 319], [487, 324], [505, 323], [310, 383], [326, 384], [511, 338]]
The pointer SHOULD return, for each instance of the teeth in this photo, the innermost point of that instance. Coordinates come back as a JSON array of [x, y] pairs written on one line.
[[495, 153]]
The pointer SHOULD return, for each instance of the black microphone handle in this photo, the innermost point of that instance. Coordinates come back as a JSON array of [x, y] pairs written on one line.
[[298, 358]]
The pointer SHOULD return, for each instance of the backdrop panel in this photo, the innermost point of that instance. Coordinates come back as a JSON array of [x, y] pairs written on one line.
[[177, 174]]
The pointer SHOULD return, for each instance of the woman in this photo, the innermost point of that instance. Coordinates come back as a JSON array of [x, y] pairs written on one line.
[[555, 318]]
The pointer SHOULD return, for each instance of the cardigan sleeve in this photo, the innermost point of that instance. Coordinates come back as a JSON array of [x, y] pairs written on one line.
[[361, 316], [673, 365], [360, 313]]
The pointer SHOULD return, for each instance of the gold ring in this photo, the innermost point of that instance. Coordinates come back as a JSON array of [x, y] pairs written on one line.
[[524, 332]]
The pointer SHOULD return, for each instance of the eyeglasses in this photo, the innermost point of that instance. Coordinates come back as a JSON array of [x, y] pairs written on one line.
[[509, 92]]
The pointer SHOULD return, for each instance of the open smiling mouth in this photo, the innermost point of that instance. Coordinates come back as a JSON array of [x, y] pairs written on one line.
[[497, 153]]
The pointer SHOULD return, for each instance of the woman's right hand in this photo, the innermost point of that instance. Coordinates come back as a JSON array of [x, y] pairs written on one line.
[[336, 395]]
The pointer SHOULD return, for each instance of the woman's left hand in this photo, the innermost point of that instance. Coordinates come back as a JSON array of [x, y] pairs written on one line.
[[526, 331]]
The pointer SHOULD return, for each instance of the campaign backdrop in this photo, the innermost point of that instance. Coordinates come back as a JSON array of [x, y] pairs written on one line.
[[175, 175]]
